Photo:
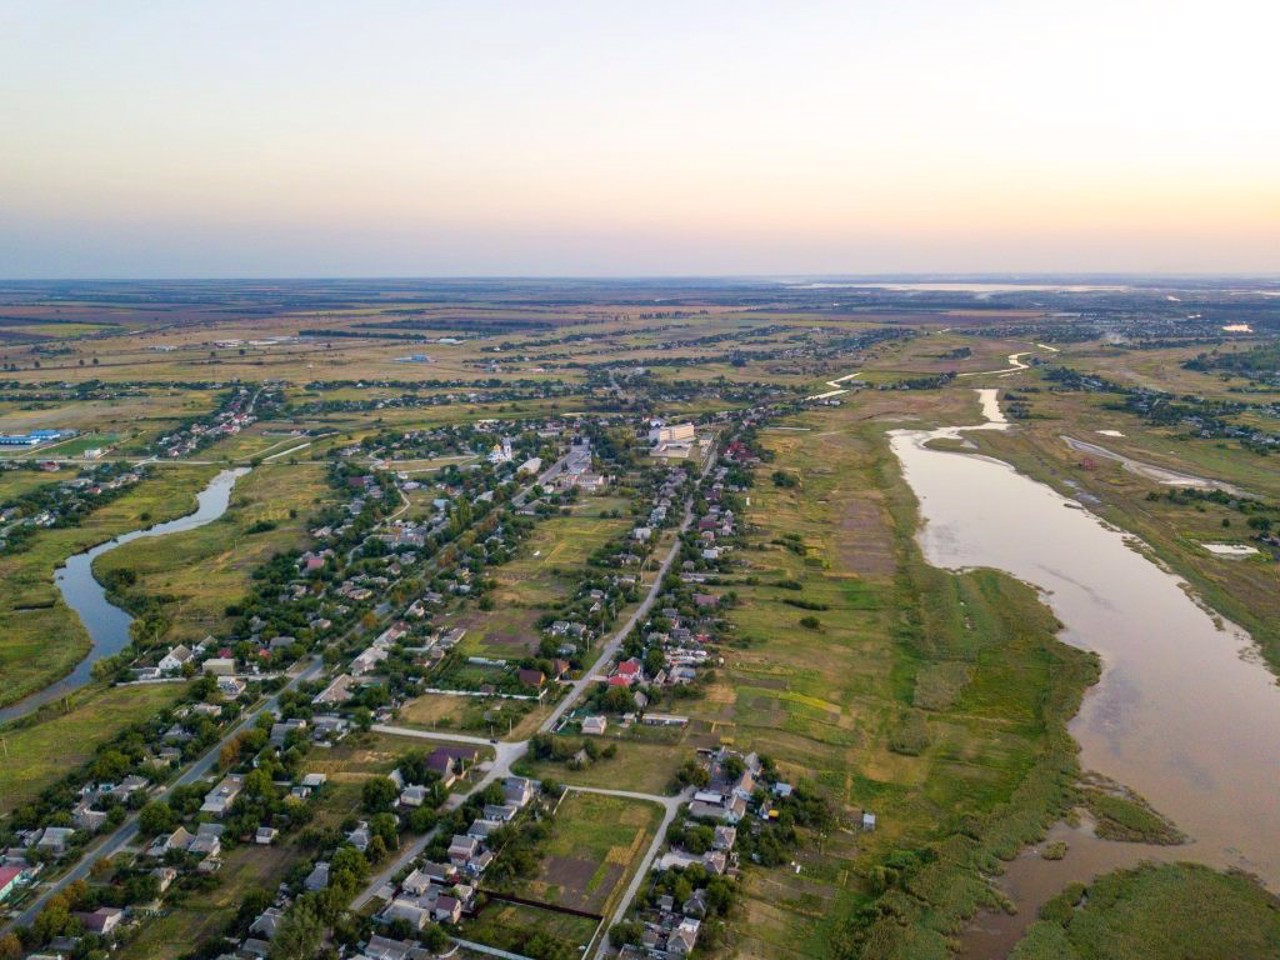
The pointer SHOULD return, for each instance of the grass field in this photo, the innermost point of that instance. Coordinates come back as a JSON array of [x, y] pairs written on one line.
[[15, 483], [549, 560], [40, 751], [490, 716], [507, 926], [638, 766], [41, 639]]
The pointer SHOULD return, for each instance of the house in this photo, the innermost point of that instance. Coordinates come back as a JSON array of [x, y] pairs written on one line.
[[518, 790], [231, 687], [86, 818], [384, 948], [696, 905], [448, 910], [102, 921], [54, 839], [443, 874], [414, 796], [730, 811], [266, 836], [416, 883], [868, 821], [208, 845], [462, 849], [219, 800], [360, 837], [280, 731], [531, 678], [504, 814], [480, 829], [180, 839], [9, 877], [267, 923], [175, 659], [448, 762], [683, 938], [219, 666], [317, 879], [724, 838], [339, 691], [328, 728], [632, 669], [594, 726], [408, 911]]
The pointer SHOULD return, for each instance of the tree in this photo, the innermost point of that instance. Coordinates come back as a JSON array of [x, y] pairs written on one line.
[[110, 766], [156, 817], [379, 794], [10, 947], [299, 935]]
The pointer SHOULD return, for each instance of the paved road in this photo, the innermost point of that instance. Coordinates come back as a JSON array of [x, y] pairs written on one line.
[[127, 831]]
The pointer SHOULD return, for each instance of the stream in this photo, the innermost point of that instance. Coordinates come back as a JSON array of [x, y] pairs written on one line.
[[1185, 714], [108, 625]]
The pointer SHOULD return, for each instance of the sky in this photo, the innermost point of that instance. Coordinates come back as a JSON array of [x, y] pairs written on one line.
[[540, 137]]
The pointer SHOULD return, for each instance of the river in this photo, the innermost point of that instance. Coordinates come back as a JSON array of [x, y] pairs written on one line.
[[1185, 713], [108, 625]]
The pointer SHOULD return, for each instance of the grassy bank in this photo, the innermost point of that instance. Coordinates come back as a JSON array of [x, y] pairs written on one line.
[[938, 701], [1158, 913], [1247, 591], [199, 572], [41, 639], [43, 748]]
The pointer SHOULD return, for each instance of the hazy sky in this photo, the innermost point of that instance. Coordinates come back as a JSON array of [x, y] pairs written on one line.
[[268, 138]]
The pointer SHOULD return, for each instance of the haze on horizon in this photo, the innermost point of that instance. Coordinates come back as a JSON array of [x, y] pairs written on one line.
[[557, 138]]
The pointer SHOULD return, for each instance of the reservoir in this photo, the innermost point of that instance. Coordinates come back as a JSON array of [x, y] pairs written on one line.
[[1185, 713], [108, 625]]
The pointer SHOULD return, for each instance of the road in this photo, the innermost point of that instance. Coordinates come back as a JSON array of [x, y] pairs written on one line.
[[128, 830]]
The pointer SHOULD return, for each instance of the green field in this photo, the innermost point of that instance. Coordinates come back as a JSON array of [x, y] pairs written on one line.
[[508, 926], [549, 560], [639, 767]]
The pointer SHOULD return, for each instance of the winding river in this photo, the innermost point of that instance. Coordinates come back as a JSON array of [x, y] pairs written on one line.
[[1185, 713], [107, 624]]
